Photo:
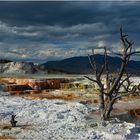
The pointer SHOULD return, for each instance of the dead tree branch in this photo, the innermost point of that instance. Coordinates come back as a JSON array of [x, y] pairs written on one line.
[[113, 84]]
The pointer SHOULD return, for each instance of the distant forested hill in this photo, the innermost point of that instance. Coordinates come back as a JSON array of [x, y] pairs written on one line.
[[80, 65]]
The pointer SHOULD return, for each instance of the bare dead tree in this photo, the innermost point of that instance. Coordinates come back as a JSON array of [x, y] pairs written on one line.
[[113, 84]]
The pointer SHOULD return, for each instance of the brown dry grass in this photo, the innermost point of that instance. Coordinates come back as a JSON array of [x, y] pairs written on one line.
[[130, 98], [51, 96], [6, 138], [65, 95], [118, 110], [30, 92], [3, 137]]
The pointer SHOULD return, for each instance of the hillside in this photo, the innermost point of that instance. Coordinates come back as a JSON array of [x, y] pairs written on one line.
[[80, 65]]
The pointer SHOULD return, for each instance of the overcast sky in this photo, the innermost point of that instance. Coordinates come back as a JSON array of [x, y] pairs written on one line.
[[42, 31]]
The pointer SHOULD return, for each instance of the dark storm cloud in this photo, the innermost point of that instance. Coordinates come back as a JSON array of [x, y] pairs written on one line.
[[65, 13], [40, 30], [50, 13]]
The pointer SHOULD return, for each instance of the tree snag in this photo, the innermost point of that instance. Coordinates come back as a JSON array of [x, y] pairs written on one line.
[[109, 94]]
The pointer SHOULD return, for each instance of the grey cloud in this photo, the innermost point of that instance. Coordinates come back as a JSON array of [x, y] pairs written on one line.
[[40, 30], [54, 32], [64, 13]]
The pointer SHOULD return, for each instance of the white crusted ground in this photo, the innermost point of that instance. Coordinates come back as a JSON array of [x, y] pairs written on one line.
[[56, 120]]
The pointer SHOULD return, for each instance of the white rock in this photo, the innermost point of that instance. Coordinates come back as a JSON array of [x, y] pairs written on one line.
[[18, 67]]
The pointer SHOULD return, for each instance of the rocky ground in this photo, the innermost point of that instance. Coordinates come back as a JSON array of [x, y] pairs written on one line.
[[58, 119], [42, 114]]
